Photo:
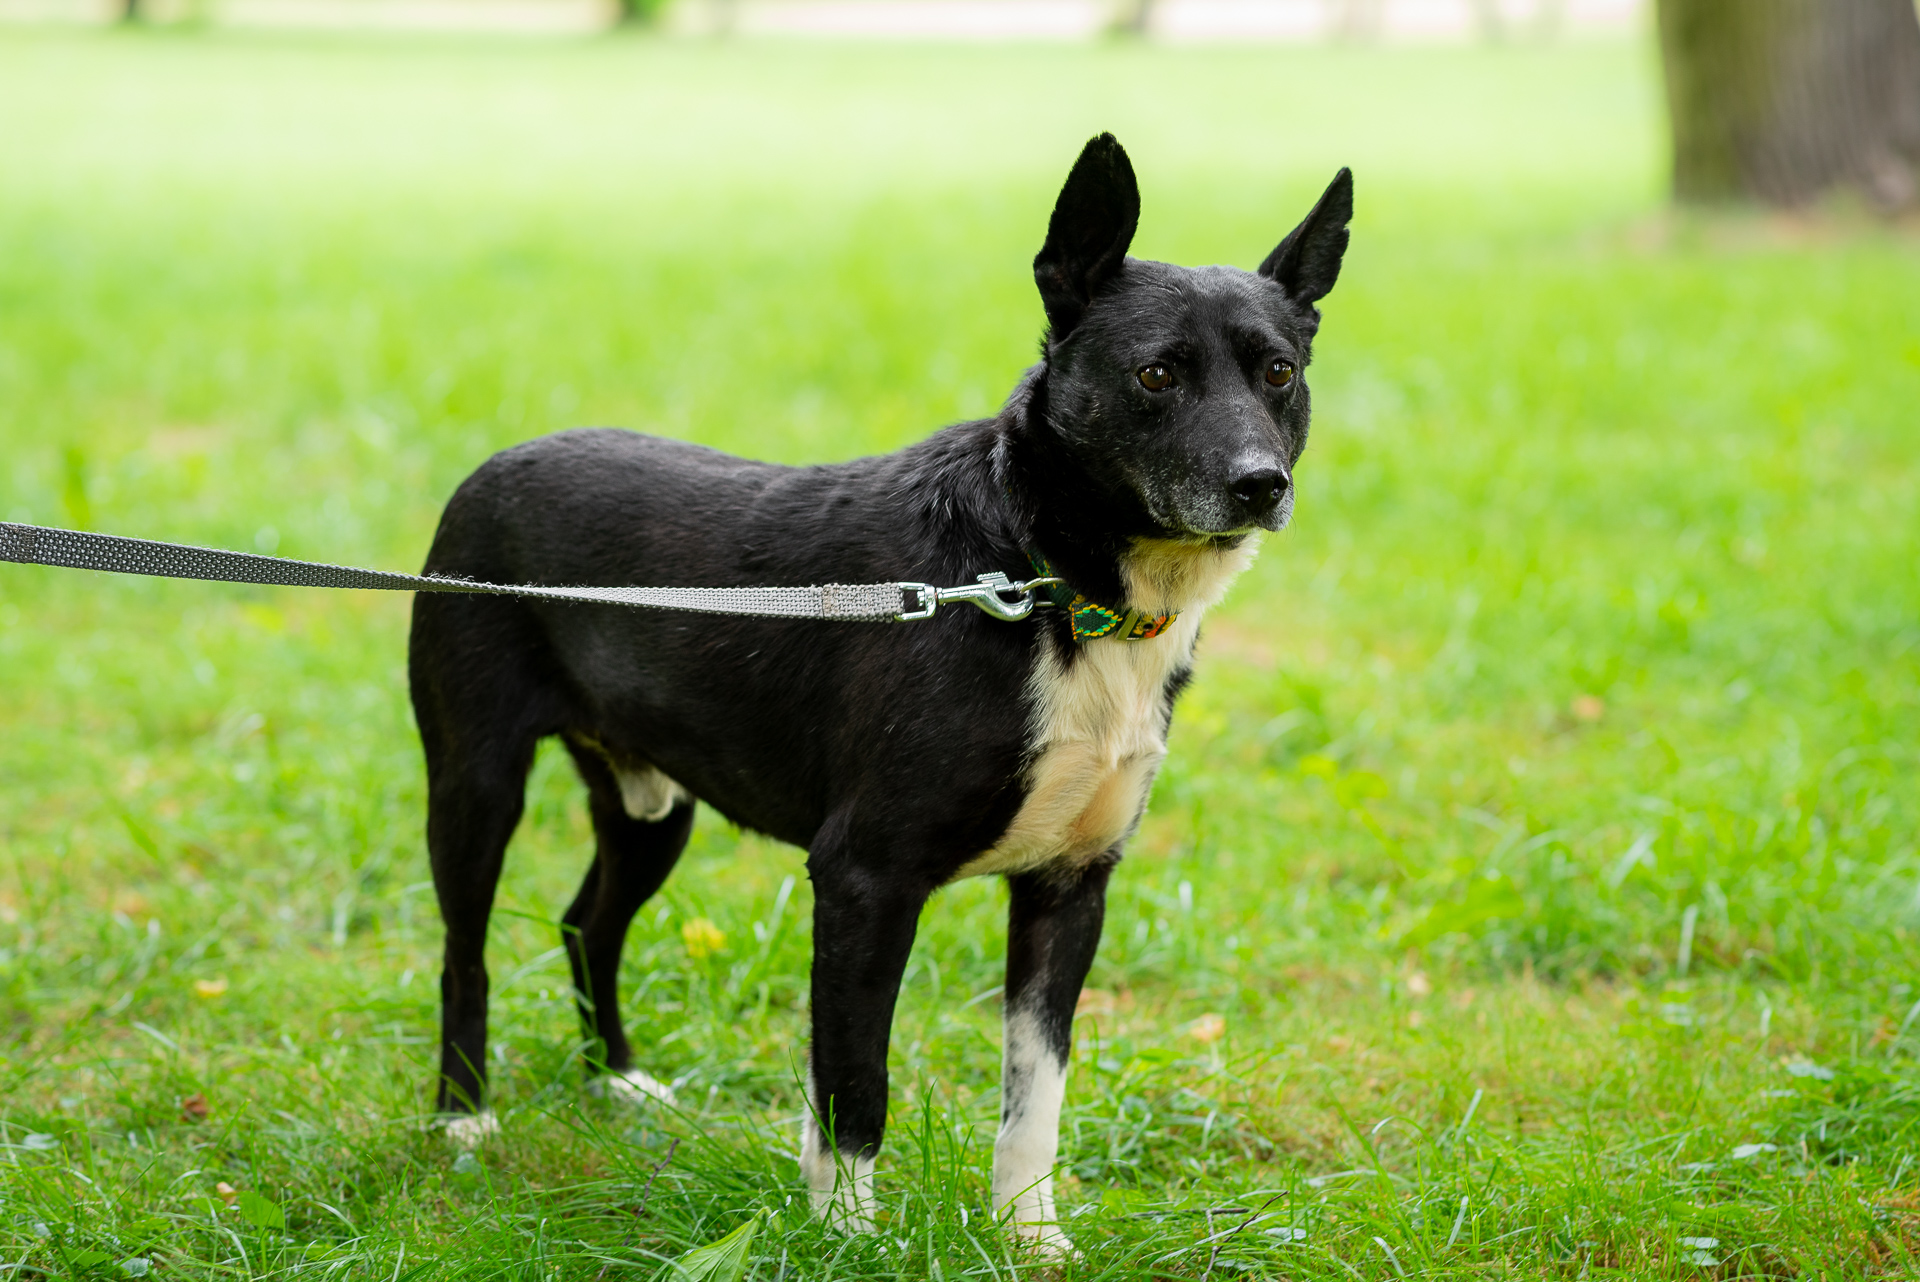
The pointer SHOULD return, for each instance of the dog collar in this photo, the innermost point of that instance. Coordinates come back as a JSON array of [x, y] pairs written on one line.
[[1090, 619]]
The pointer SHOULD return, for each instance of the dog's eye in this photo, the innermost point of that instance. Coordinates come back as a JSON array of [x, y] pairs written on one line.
[[1156, 378], [1279, 373]]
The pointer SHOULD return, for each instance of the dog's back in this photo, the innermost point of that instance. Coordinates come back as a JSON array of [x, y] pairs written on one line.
[[771, 721]]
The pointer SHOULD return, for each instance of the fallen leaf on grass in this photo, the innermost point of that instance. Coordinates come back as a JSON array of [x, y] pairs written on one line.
[[261, 1212], [1209, 1028], [194, 1107], [210, 987], [1700, 1250], [227, 1192], [1589, 707], [722, 1261]]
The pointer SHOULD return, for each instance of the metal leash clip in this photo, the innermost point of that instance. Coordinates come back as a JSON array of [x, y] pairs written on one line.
[[990, 594]]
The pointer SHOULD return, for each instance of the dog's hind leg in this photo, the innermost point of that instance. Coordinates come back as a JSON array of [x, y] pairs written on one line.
[[632, 856], [863, 928], [1053, 928], [474, 802], [482, 706]]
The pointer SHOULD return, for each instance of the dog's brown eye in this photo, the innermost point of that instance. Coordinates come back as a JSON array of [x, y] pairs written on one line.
[[1279, 373], [1156, 378]]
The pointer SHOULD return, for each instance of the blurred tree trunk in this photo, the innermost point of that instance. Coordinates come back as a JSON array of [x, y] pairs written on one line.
[[1491, 22], [1358, 19], [631, 13], [1131, 18], [1783, 99], [130, 10]]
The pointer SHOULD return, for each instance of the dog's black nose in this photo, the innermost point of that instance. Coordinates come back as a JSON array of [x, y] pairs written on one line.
[[1259, 492]]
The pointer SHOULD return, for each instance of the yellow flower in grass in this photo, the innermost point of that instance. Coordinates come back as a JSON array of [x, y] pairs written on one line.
[[210, 987], [703, 938]]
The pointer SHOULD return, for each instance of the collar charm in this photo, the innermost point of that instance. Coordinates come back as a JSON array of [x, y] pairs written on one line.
[[1091, 620]]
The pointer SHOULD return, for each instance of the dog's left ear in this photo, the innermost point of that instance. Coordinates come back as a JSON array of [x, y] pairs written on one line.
[[1307, 262], [1093, 223]]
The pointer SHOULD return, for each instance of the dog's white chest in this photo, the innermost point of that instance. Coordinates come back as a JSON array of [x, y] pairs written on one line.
[[1099, 724]]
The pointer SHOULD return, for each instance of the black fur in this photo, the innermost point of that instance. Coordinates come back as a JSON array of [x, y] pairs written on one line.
[[892, 754]]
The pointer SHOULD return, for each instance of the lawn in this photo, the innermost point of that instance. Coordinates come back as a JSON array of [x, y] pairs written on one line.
[[1533, 886]]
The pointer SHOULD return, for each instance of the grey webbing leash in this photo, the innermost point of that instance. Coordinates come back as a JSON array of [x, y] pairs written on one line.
[[857, 602]]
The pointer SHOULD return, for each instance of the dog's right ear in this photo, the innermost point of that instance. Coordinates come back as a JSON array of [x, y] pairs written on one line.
[[1093, 223]]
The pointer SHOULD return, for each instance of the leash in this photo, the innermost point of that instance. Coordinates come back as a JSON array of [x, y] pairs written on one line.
[[993, 593]]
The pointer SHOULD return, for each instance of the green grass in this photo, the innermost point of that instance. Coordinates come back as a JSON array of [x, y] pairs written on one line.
[[1544, 810]]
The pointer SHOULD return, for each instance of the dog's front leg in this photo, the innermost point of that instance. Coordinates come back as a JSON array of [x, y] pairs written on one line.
[[1053, 928], [863, 928]]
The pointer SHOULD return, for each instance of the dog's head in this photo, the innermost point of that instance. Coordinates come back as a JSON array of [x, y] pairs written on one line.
[[1181, 390]]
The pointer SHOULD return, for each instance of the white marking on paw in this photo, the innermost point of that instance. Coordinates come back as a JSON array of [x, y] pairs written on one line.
[[840, 1187], [469, 1129], [1033, 1086], [1049, 1243], [633, 1086], [647, 794]]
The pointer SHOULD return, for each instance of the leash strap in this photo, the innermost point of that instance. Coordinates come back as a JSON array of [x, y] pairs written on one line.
[[858, 602]]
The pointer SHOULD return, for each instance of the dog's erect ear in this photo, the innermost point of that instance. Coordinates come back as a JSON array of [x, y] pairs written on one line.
[[1087, 239], [1307, 262]]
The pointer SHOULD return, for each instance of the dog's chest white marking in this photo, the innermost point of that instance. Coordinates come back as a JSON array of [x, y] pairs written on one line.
[[1098, 734]]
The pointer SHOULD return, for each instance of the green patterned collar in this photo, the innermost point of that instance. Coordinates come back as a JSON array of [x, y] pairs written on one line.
[[1090, 619]]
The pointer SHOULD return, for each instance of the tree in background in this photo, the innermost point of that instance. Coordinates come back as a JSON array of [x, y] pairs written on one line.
[[1131, 18], [629, 13], [1785, 99], [1359, 19], [1496, 21]]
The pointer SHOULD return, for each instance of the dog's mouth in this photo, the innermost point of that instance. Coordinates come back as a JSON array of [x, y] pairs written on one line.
[[1280, 519], [1204, 516]]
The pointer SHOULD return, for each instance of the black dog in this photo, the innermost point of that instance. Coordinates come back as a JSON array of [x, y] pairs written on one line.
[[1135, 462]]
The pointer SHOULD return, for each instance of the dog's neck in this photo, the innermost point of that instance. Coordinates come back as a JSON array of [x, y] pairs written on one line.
[[1104, 544], [1185, 576], [1057, 508]]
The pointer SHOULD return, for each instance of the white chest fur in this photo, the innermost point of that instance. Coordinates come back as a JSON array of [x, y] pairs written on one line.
[[1099, 722]]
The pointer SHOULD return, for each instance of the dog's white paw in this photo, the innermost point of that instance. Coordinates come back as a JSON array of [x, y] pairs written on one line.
[[469, 1129], [849, 1205], [1046, 1241], [840, 1187], [633, 1086]]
